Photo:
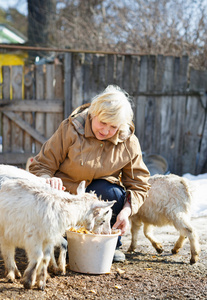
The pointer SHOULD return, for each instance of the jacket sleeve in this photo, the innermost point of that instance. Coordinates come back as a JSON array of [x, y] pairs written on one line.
[[135, 176], [53, 152]]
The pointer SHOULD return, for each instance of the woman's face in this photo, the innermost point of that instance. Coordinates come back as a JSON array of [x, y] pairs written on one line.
[[102, 130]]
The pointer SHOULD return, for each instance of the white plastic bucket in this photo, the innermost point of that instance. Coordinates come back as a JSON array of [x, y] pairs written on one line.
[[91, 253]]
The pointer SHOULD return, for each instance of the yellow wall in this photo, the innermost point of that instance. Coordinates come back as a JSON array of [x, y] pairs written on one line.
[[12, 59], [8, 59]]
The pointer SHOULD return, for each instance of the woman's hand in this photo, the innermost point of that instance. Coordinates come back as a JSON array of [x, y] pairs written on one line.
[[56, 183], [122, 220]]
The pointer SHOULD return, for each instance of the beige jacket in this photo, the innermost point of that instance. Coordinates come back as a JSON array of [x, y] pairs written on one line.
[[74, 154]]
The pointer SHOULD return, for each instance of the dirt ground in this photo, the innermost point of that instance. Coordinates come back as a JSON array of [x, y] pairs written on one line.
[[144, 275]]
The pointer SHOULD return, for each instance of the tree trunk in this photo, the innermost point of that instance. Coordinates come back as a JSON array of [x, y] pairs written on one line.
[[41, 24]]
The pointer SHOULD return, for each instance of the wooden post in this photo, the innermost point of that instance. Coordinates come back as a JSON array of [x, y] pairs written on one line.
[[17, 133], [6, 124], [40, 94], [68, 85]]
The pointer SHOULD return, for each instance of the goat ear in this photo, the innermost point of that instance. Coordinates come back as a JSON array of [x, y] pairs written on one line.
[[81, 188], [102, 205], [110, 203]]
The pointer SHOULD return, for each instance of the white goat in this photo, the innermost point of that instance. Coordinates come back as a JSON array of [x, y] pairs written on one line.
[[11, 172], [168, 203], [34, 217]]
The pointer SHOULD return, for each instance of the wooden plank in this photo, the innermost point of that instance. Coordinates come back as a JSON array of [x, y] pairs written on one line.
[[59, 93], [180, 76], [33, 105], [28, 116], [119, 70], [6, 133], [6, 73], [94, 78], [177, 84], [50, 79], [6, 123], [25, 126], [142, 105], [198, 80], [149, 125], [143, 74], [29, 83], [110, 69], [77, 83], [16, 131], [15, 158], [160, 65], [151, 73], [168, 74], [40, 94], [127, 74], [50, 95], [202, 155], [68, 84], [101, 73], [165, 137], [179, 108], [157, 126], [59, 82], [201, 166], [87, 74], [17, 79], [195, 118], [134, 76], [27, 138], [176, 135], [140, 119], [40, 82], [169, 151], [184, 73]]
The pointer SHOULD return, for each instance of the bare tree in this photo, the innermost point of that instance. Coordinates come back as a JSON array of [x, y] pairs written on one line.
[[41, 24], [168, 27]]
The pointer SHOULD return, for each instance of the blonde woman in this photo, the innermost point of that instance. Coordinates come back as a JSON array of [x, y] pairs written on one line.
[[97, 144]]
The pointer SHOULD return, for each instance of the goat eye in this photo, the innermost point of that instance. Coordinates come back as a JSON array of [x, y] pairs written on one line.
[[106, 212]]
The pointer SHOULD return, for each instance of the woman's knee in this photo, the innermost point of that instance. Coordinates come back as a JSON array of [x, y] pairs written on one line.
[[105, 189]]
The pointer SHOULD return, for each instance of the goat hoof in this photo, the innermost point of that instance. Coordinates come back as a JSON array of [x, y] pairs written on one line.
[[159, 250], [18, 275], [48, 277], [27, 284], [10, 280], [174, 251], [59, 271], [41, 286], [131, 250], [10, 277], [194, 259]]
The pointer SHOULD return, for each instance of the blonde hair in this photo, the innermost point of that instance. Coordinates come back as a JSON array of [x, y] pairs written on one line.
[[113, 106]]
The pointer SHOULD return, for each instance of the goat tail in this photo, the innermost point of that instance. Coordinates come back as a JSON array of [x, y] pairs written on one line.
[[189, 187]]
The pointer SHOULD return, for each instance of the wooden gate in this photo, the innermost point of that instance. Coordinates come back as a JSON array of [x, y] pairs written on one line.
[[31, 109]]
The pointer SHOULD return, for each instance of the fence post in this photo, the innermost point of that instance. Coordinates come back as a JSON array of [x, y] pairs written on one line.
[[68, 84]]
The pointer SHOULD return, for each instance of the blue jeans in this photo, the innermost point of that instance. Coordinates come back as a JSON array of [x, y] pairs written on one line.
[[109, 191]]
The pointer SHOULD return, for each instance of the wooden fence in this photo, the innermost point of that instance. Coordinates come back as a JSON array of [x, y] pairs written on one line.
[[170, 104]]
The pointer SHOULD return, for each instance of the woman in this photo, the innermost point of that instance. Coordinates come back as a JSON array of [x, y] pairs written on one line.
[[97, 144]]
